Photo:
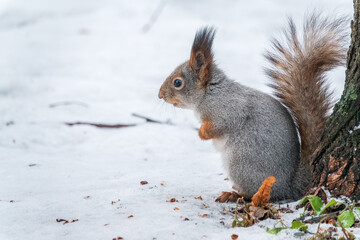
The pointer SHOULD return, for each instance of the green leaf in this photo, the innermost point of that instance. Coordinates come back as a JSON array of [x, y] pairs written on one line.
[[298, 225], [333, 202], [234, 223], [304, 200], [274, 230], [237, 223], [316, 204], [346, 219]]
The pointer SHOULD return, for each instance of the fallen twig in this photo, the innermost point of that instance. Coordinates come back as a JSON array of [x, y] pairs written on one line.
[[147, 119], [66, 221], [317, 219], [101, 125], [150, 120], [344, 231], [104, 125]]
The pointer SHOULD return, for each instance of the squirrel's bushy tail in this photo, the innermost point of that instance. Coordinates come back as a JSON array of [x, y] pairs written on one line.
[[298, 74]]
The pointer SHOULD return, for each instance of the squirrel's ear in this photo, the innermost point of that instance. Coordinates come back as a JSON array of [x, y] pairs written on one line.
[[201, 58]]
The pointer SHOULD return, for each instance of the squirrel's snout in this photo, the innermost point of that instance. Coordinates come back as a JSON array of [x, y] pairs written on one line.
[[161, 93]]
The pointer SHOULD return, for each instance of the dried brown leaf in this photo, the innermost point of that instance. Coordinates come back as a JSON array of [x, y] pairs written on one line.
[[172, 200], [259, 212], [117, 238], [234, 236], [60, 220], [331, 221]]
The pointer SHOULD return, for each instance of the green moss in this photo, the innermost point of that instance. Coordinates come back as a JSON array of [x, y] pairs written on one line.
[[353, 96], [350, 91], [350, 95]]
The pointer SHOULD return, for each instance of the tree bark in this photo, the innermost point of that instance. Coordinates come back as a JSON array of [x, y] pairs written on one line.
[[337, 165]]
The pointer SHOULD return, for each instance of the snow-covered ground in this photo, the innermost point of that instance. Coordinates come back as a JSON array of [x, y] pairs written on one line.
[[101, 57]]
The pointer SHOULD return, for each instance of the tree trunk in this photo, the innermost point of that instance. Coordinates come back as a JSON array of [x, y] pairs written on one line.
[[337, 165]]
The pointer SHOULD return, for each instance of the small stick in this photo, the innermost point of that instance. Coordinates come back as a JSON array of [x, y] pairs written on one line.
[[322, 220], [344, 231], [317, 219], [150, 120], [101, 125], [236, 208], [147, 119]]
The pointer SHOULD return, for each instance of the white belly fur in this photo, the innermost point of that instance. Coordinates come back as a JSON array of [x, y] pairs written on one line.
[[220, 145]]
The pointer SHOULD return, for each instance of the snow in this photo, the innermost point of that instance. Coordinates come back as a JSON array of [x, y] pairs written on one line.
[[355, 128], [95, 55]]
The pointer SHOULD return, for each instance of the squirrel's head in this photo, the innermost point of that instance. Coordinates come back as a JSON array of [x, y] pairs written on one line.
[[186, 85]]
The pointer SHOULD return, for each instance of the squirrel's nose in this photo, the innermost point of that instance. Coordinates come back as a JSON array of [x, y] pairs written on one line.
[[161, 93]]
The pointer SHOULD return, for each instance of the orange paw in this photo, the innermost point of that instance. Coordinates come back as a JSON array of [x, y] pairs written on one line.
[[262, 197], [206, 131]]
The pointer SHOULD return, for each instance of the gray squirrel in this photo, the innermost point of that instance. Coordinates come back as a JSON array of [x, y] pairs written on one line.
[[258, 135]]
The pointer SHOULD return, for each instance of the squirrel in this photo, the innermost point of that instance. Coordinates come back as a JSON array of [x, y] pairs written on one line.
[[259, 135]]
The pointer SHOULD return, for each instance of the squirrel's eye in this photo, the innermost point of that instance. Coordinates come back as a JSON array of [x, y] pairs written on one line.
[[177, 83]]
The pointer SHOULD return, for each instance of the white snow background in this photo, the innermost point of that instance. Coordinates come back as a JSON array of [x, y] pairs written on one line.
[[96, 55]]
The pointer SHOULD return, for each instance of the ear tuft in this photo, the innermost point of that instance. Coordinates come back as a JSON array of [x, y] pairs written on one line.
[[201, 58]]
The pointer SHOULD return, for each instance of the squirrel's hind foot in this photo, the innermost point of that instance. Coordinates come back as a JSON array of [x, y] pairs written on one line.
[[229, 197]]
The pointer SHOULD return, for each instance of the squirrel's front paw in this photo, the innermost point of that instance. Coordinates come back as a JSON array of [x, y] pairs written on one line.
[[206, 131]]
